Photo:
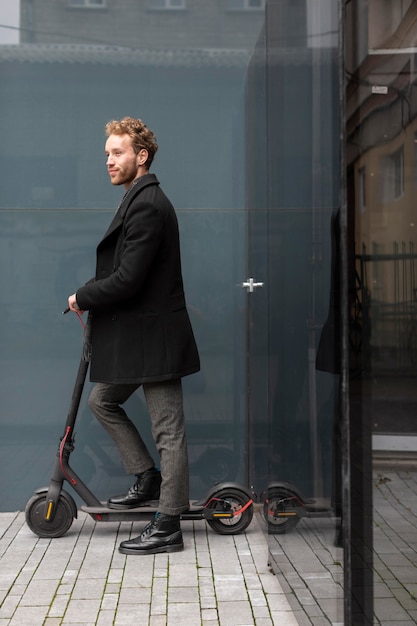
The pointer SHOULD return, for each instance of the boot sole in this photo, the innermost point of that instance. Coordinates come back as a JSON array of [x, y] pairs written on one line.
[[174, 548], [143, 503]]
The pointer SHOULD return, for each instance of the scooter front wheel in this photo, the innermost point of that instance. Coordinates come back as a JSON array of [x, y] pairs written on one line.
[[35, 516], [231, 500], [280, 510]]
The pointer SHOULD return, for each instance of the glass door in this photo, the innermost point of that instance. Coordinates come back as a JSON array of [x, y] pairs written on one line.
[[294, 340], [292, 197]]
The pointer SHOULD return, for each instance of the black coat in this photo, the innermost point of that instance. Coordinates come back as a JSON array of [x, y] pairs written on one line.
[[141, 331]]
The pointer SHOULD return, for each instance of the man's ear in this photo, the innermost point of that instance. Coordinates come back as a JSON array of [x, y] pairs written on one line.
[[142, 157]]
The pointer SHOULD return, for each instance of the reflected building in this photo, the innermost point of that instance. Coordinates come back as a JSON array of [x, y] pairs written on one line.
[[381, 153]]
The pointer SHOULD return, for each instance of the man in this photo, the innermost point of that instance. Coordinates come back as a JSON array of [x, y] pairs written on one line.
[[141, 335]]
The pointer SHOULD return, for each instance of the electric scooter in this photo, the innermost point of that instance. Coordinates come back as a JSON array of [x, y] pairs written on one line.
[[284, 505], [227, 507]]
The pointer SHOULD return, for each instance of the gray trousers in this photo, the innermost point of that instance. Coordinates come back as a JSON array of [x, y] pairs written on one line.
[[165, 406]]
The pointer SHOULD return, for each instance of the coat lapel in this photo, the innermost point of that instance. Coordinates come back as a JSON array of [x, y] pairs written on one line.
[[144, 181]]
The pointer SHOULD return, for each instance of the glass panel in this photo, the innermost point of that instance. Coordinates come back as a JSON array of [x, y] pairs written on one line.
[[381, 151], [294, 199], [68, 76]]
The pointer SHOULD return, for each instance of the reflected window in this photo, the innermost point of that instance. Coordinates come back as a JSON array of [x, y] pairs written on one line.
[[362, 189], [385, 17], [415, 159], [88, 4], [393, 175], [166, 4], [245, 5]]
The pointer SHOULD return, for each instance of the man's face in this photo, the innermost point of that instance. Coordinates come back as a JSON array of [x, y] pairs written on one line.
[[123, 164]]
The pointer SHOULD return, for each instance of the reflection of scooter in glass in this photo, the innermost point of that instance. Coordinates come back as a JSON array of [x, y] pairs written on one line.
[[284, 505], [227, 507]]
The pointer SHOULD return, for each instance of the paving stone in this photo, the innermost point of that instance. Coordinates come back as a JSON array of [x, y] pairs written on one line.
[[208, 602], [182, 575], [109, 601], [252, 580], [205, 572], [113, 588], [29, 616], [261, 613], [257, 597], [64, 589], [115, 575], [157, 620], [388, 610], [105, 618], [59, 606], [39, 593], [184, 613], [209, 615], [80, 611], [277, 602], [135, 595], [183, 594], [238, 613], [127, 615], [229, 590], [159, 607], [9, 606], [88, 588]]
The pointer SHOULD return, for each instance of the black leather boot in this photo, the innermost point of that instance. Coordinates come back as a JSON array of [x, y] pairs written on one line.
[[145, 488], [163, 534]]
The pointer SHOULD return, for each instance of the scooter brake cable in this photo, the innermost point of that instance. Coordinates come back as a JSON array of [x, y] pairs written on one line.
[[67, 310], [61, 457], [80, 318]]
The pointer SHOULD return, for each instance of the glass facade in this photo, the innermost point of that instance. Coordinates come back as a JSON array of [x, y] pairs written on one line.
[[288, 147]]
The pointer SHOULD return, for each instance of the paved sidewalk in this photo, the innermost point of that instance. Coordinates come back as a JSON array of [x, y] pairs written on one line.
[[82, 578], [310, 568]]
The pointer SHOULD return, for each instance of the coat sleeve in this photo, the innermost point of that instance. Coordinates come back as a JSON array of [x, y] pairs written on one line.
[[131, 261]]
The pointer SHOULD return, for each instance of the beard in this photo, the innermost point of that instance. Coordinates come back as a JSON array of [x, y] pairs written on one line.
[[124, 176]]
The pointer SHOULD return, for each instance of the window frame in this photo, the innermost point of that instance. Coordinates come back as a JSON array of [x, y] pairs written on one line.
[[393, 176]]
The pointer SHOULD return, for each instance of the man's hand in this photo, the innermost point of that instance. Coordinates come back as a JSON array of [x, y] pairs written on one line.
[[72, 304]]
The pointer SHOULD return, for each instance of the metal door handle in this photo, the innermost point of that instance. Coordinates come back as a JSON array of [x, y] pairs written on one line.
[[250, 285]]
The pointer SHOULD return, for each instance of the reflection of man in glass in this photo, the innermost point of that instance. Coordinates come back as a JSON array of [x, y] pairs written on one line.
[[141, 335], [328, 360]]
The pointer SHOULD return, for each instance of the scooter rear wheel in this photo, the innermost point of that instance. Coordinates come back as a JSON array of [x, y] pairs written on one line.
[[35, 517], [280, 510], [235, 500]]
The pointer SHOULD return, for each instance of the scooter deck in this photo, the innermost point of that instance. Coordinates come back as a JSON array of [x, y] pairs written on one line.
[[151, 506], [146, 511]]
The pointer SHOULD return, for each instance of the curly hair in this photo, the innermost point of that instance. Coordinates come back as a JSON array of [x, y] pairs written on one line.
[[140, 134]]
